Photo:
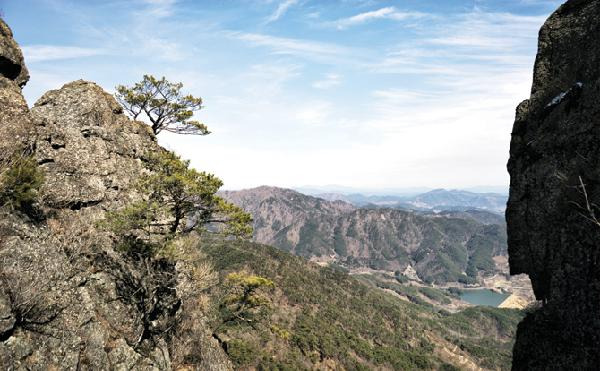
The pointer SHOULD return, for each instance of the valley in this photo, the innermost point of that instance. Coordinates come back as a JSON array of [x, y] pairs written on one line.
[[416, 250], [323, 318]]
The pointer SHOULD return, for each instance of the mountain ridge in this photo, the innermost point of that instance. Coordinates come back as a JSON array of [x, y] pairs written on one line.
[[441, 247], [319, 320], [435, 200]]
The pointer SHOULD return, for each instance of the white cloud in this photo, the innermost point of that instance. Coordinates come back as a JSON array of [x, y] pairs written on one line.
[[500, 32], [161, 48], [330, 80], [282, 8], [383, 13], [159, 8], [471, 40], [314, 113], [41, 53], [452, 129], [264, 81], [322, 51], [431, 107]]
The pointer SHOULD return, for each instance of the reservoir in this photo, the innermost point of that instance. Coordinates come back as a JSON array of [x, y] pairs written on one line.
[[483, 297]]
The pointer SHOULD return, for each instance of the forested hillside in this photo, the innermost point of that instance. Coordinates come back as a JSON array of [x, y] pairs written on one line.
[[317, 317], [444, 247]]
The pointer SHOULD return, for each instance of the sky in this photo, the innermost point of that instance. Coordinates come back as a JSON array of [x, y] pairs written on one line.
[[369, 94]]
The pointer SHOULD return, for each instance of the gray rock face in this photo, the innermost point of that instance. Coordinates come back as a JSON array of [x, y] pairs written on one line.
[[90, 151], [68, 299], [66, 302], [552, 214], [16, 123], [12, 65]]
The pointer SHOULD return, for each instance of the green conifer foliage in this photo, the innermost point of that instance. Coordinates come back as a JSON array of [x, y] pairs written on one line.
[[163, 103], [177, 200], [20, 181]]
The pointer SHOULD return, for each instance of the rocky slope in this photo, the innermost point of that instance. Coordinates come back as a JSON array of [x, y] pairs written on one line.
[[552, 214], [440, 247], [68, 299]]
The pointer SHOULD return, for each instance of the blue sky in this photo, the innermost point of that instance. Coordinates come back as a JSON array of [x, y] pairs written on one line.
[[365, 93]]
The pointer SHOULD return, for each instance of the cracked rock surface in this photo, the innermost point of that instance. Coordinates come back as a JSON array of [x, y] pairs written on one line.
[[553, 209], [90, 150]]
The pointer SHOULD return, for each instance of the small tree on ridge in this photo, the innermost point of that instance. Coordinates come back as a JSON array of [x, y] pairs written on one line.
[[178, 199], [163, 103]]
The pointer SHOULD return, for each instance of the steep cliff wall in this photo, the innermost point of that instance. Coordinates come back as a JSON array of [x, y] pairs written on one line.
[[553, 213], [68, 299]]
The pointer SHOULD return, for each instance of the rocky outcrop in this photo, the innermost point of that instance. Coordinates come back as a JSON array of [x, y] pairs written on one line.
[[553, 214], [68, 299], [91, 152], [12, 65], [71, 304], [15, 120]]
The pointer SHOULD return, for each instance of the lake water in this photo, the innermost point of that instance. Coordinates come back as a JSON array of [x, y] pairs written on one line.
[[483, 297]]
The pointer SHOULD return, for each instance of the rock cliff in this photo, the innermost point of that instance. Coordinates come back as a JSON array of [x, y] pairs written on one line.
[[68, 299], [552, 214]]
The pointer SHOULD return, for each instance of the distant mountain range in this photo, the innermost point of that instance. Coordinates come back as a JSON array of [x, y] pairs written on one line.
[[441, 247], [438, 200], [313, 190]]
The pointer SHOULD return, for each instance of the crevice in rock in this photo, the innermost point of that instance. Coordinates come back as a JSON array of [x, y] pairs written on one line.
[[222, 344], [83, 204], [7, 334], [46, 161], [9, 69]]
